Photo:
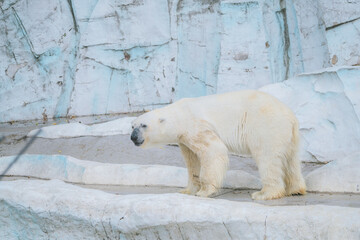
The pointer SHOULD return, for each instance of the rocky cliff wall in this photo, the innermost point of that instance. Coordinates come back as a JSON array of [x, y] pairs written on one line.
[[64, 58]]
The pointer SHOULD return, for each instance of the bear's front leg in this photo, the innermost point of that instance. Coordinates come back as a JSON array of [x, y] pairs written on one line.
[[212, 171], [193, 167], [212, 155]]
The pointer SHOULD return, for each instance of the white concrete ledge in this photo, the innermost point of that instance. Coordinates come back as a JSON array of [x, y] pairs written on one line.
[[73, 170], [342, 176], [55, 210], [69, 130]]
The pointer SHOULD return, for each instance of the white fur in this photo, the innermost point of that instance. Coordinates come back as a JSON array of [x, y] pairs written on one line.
[[243, 122]]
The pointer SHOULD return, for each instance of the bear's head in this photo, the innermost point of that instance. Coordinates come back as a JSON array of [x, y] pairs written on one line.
[[154, 128]]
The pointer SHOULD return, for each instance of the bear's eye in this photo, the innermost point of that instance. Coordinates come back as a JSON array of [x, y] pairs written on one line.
[[143, 125]]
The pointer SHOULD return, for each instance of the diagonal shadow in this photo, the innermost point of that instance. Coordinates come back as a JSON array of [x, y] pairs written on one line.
[[20, 153]]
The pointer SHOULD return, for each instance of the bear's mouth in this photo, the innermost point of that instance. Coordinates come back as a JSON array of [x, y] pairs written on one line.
[[139, 143]]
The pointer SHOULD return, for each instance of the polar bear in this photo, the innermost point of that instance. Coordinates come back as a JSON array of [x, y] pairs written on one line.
[[243, 122]]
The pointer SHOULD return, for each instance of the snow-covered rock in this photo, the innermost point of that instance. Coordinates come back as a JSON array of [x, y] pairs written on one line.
[[55, 210], [70, 169], [327, 104], [338, 176], [114, 127]]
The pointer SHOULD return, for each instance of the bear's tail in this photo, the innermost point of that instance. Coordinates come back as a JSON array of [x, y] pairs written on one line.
[[295, 139]]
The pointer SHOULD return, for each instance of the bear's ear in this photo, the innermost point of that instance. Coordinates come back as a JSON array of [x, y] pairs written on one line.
[[161, 120]]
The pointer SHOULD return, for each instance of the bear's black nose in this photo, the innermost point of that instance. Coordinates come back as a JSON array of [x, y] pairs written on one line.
[[135, 135]]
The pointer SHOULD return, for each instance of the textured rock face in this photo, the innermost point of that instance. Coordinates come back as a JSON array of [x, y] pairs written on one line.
[[70, 58], [37, 59], [244, 47], [125, 57], [326, 103], [344, 176], [52, 209], [337, 12], [343, 49]]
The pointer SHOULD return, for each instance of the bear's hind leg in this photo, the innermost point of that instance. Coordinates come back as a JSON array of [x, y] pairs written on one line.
[[295, 183], [272, 178], [193, 167]]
